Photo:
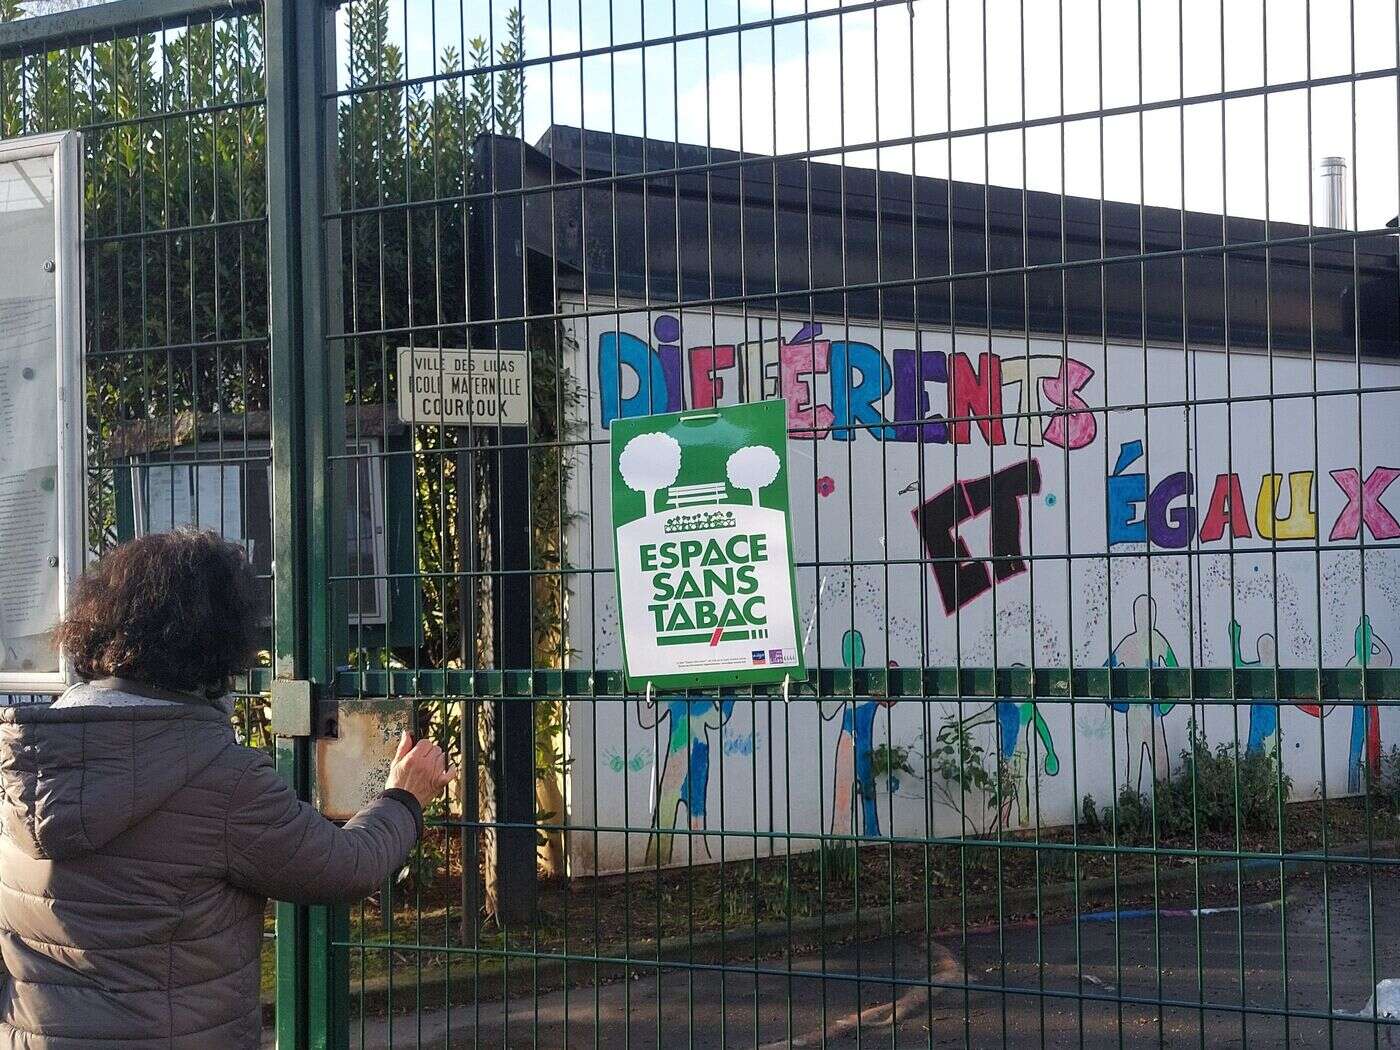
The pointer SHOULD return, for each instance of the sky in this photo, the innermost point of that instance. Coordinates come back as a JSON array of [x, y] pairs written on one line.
[[792, 76], [853, 76]]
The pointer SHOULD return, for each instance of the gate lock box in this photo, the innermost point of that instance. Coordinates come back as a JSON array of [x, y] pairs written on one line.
[[353, 761], [355, 740]]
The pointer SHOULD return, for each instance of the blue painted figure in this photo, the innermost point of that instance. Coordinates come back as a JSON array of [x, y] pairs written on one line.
[[1366, 718], [1263, 718], [683, 777], [1016, 720], [1008, 727], [1146, 737], [860, 724]]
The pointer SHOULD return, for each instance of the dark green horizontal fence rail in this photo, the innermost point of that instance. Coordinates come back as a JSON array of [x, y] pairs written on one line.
[[112, 20], [1200, 685]]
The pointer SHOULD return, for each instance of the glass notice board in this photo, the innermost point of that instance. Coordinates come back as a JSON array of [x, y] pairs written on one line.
[[41, 479]]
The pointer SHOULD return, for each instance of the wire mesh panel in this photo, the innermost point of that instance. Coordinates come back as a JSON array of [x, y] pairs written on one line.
[[175, 265], [1085, 319], [174, 249], [1090, 381]]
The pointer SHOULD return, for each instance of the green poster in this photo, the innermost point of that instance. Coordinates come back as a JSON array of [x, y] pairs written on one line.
[[705, 581]]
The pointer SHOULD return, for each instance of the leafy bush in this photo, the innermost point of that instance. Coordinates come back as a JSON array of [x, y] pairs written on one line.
[[1211, 792], [428, 859], [1089, 815], [962, 779], [888, 762], [839, 861], [1385, 788]]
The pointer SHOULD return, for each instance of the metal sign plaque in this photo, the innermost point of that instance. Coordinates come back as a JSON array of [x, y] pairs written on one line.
[[464, 388]]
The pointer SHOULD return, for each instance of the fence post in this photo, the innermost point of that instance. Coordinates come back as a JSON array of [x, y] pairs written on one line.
[[307, 381], [498, 292], [288, 536]]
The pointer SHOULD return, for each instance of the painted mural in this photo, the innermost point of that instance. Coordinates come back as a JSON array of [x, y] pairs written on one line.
[[855, 792], [1022, 735], [683, 769], [992, 501], [1145, 737], [1365, 752], [1263, 718]]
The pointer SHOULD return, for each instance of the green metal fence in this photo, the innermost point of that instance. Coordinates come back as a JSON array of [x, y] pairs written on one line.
[[1086, 319], [172, 106]]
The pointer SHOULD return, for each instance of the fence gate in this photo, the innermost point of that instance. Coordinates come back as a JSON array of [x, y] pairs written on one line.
[[1085, 319]]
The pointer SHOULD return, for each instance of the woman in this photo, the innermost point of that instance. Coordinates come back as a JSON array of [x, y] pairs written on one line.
[[139, 841]]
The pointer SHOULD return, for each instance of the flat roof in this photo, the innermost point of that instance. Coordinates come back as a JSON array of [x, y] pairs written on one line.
[[681, 225]]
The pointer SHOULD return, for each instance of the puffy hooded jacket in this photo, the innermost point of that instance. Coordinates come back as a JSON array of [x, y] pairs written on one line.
[[138, 847]]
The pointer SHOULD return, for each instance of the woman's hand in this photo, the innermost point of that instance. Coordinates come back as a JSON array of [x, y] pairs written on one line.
[[419, 768]]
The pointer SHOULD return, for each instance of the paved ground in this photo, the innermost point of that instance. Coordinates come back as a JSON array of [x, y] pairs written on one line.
[[1230, 959]]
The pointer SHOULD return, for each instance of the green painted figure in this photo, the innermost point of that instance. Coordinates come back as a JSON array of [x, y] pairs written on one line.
[[1016, 722]]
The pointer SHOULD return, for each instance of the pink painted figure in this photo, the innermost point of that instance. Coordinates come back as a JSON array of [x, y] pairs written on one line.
[[853, 774]]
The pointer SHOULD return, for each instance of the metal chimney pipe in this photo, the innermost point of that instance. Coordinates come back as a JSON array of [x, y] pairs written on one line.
[[1334, 192]]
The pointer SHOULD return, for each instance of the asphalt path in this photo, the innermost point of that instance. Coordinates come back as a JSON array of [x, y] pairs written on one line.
[[1172, 975]]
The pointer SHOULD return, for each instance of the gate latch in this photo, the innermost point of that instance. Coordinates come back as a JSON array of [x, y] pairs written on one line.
[[302, 708]]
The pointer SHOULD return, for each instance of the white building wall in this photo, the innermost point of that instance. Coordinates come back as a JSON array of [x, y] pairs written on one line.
[[1065, 490]]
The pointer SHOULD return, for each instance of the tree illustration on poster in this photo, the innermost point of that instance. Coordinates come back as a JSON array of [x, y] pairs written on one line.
[[704, 548]]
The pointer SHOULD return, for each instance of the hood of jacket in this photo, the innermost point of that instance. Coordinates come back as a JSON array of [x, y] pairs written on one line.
[[74, 778]]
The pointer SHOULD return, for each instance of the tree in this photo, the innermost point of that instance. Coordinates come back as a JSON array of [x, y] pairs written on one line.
[[177, 327], [175, 215], [406, 164], [13, 10]]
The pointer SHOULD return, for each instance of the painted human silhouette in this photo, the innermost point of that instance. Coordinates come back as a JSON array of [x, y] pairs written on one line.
[[1263, 718], [684, 767], [1370, 651], [1144, 646], [853, 772], [1016, 721]]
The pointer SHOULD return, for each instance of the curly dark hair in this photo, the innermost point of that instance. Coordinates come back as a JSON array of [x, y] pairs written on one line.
[[179, 610]]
